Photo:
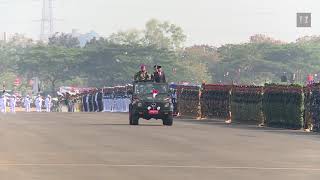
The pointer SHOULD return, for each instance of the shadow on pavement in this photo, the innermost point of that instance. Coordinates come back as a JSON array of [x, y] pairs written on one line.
[[236, 125], [123, 125]]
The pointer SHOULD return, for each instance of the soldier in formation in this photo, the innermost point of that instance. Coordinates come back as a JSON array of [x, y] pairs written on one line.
[[38, 103], [13, 101], [48, 103], [108, 97], [27, 102], [3, 103], [84, 102], [100, 100]]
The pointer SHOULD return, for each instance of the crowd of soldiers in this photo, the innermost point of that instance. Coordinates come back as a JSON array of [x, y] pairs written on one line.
[[109, 99], [117, 99], [25, 102]]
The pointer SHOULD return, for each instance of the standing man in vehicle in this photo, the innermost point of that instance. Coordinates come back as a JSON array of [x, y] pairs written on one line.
[[159, 76], [142, 75]]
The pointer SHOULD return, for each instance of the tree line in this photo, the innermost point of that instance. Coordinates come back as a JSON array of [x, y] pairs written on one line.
[[114, 60]]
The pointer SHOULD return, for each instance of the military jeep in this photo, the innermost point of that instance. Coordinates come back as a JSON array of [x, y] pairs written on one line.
[[151, 100]]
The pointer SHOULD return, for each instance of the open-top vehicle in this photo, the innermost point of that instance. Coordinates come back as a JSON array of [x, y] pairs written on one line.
[[151, 100]]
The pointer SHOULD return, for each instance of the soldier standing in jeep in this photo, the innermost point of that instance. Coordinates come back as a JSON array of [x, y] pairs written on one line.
[[142, 75]]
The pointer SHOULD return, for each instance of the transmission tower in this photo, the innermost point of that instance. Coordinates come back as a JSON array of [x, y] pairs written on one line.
[[47, 20]]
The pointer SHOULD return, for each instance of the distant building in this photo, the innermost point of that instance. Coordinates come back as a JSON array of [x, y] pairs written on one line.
[[84, 38]]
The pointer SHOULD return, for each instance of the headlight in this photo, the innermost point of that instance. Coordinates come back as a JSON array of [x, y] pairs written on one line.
[[139, 104], [166, 105], [149, 108], [158, 108]]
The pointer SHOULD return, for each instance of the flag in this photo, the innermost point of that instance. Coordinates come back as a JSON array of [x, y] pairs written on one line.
[[155, 93]]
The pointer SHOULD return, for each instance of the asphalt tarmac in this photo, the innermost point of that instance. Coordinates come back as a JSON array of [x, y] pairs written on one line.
[[102, 146]]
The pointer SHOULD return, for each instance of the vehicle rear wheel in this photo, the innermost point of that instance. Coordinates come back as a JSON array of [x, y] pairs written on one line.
[[168, 120]]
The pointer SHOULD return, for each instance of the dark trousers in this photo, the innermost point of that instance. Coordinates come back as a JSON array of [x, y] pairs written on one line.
[[90, 107], [95, 107], [85, 108], [100, 104]]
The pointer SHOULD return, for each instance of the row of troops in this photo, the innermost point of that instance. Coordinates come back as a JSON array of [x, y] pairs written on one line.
[[39, 102], [113, 99]]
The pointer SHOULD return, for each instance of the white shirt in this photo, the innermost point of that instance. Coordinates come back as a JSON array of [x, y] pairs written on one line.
[[96, 97], [27, 101], [87, 99], [48, 101], [13, 101], [38, 100]]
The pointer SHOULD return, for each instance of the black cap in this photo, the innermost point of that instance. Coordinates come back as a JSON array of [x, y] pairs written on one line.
[[158, 67]]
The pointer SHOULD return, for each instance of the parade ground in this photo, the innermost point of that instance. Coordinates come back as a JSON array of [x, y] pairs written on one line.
[[102, 146]]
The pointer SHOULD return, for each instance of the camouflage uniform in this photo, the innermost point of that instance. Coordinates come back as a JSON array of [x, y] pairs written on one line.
[[141, 76]]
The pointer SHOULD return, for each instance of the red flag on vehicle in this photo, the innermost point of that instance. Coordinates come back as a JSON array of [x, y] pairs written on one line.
[[155, 93]]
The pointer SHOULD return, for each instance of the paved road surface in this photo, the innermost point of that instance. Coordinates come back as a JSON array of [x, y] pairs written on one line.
[[103, 147]]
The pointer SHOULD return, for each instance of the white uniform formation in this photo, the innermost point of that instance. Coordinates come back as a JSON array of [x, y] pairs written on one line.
[[12, 102], [116, 104], [39, 102], [12, 99]]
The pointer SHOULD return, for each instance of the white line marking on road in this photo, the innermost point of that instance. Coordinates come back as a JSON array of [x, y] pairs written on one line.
[[173, 166]]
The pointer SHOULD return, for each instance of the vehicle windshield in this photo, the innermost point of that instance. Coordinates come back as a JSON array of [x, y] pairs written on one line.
[[149, 88]]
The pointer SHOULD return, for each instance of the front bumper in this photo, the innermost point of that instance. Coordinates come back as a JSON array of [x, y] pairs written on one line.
[[160, 115], [143, 111]]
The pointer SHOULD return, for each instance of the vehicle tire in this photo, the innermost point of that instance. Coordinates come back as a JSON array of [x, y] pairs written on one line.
[[168, 120]]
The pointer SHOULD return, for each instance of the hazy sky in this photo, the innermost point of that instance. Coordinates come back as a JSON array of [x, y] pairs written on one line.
[[212, 22]]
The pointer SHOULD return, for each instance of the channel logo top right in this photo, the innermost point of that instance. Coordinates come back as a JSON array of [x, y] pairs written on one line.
[[303, 19]]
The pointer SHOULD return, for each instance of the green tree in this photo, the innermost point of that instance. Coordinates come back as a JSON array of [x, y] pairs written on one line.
[[65, 40], [164, 35], [130, 37], [52, 64]]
